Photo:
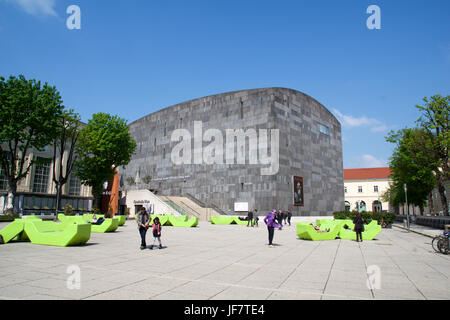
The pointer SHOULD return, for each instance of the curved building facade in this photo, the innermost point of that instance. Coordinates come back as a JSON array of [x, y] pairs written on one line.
[[271, 148]]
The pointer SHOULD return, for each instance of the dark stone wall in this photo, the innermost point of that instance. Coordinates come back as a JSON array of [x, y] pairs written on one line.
[[304, 150]]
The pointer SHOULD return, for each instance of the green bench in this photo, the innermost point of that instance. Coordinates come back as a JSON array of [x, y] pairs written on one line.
[[306, 231], [47, 232], [370, 232], [342, 228], [227, 220], [109, 225], [121, 219]]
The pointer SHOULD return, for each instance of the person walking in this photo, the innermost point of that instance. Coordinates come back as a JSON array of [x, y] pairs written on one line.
[[143, 221], [156, 232], [250, 218], [279, 217], [255, 217], [271, 225], [359, 227], [289, 216]]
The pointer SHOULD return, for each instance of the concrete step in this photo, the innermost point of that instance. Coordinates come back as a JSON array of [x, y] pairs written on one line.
[[190, 207]]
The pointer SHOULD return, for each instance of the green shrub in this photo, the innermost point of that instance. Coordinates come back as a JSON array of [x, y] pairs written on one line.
[[68, 210], [352, 215], [389, 217], [340, 215], [366, 216], [386, 217], [9, 217], [377, 216]]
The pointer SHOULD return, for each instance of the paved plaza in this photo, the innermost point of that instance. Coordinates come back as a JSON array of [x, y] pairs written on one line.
[[227, 262]]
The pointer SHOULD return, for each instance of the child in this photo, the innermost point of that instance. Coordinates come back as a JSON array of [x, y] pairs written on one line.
[[156, 233]]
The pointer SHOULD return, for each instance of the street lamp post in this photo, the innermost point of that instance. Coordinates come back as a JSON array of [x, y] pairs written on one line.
[[407, 206]]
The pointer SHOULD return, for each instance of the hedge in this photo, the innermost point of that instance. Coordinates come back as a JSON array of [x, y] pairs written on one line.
[[386, 217], [9, 217]]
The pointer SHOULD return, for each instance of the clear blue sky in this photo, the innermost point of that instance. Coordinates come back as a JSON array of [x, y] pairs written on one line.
[[134, 57]]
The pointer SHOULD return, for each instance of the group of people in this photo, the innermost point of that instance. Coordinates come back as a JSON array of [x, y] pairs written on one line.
[[280, 217], [143, 222], [275, 220]]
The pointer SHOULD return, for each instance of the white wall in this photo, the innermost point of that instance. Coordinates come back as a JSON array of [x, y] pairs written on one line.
[[368, 195], [147, 198]]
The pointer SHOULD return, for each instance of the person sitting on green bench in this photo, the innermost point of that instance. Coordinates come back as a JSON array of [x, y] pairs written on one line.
[[318, 230], [96, 221]]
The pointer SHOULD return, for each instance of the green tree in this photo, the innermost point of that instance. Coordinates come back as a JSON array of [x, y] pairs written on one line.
[[435, 123], [104, 144], [29, 112], [411, 164], [64, 155]]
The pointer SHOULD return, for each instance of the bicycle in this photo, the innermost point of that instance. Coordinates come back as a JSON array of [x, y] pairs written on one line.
[[440, 243]]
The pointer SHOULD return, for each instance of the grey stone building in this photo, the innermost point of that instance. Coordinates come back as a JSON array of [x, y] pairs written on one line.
[[244, 146]]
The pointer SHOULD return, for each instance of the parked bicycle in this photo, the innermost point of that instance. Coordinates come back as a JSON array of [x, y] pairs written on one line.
[[440, 243]]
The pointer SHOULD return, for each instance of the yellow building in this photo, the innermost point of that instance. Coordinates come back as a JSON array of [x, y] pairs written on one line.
[[37, 192]]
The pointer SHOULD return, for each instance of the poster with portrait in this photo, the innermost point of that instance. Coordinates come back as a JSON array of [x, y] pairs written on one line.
[[298, 191]]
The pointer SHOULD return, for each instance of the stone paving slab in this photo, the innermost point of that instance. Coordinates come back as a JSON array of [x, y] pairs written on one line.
[[215, 262]]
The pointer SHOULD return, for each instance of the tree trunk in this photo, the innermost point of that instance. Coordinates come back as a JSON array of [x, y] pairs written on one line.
[[12, 190], [441, 189], [431, 203], [97, 191], [58, 198]]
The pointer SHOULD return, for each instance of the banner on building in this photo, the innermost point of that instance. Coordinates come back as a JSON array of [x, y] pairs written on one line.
[[298, 191]]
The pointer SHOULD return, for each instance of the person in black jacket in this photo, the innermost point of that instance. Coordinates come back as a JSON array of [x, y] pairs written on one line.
[[359, 227], [279, 217], [143, 220], [289, 216], [250, 218]]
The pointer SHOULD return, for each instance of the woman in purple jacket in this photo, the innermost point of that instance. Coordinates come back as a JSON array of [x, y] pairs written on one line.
[[271, 225]]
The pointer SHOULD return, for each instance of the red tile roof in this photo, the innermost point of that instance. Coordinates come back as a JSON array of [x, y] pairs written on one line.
[[367, 173]]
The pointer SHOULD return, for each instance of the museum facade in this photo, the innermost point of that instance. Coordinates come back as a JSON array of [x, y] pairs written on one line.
[[271, 148]]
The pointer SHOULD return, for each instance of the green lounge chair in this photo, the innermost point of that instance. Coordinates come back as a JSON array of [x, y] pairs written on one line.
[[227, 220], [122, 219], [221, 219], [109, 225], [182, 222], [370, 232], [325, 224], [57, 234], [306, 231], [47, 232], [163, 219], [11, 231], [238, 221]]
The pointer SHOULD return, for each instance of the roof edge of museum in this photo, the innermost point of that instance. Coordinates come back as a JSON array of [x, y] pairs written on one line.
[[235, 92]]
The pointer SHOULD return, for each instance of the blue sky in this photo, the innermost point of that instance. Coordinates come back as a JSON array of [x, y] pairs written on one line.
[[134, 57]]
